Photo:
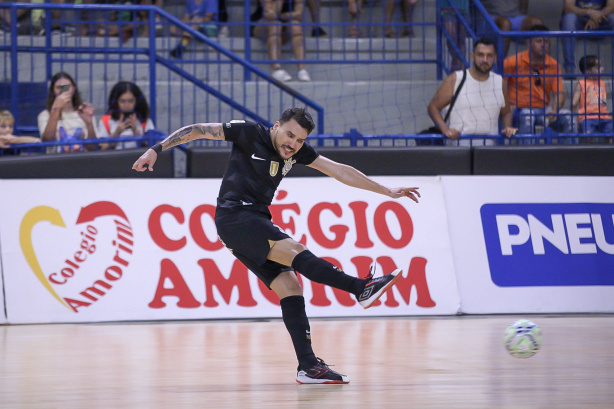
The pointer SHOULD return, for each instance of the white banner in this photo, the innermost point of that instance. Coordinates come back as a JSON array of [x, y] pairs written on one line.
[[532, 244], [2, 305], [106, 250]]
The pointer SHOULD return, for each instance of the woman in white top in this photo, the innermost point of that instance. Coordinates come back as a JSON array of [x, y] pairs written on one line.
[[67, 116], [127, 115]]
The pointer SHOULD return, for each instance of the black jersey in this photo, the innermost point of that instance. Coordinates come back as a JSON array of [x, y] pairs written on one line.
[[255, 169]]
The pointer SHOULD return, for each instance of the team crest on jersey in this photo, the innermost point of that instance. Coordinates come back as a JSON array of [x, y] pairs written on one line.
[[274, 168], [287, 166]]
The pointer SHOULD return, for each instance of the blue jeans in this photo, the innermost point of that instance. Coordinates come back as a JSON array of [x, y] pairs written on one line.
[[526, 119], [573, 22], [594, 125]]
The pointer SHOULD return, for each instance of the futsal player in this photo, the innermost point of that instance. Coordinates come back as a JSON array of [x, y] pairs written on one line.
[[260, 158]]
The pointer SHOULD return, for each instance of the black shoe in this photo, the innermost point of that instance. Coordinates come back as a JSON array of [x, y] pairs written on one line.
[[320, 373], [376, 287], [318, 32]]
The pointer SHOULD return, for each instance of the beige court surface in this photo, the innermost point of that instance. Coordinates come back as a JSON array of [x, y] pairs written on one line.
[[408, 362]]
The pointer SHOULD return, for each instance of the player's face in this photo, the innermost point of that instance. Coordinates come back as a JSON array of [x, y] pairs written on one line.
[[483, 58], [288, 138]]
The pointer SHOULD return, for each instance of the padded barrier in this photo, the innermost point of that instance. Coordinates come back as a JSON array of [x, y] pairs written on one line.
[[544, 160], [101, 164], [211, 163]]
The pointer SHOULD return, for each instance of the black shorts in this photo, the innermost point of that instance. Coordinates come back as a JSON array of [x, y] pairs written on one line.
[[249, 234]]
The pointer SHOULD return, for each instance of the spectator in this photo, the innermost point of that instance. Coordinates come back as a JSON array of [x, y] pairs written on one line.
[[589, 98], [7, 124], [536, 88], [407, 8], [456, 29], [127, 115], [480, 102], [66, 116], [510, 15], [314, 11], [201, 15], [354, 9], [584, 15], [282, 16]]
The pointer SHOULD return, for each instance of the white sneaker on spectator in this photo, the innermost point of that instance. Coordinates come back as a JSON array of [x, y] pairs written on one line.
[[281, 75], [303, 75]]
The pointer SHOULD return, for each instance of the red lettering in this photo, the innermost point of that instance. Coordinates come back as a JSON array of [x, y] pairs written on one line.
[[74, 304], [381, 226], [416, 277], [179, 289], [52, 278], [113, 273], [360, 218], [313, 221], [238, 278], [93, 289], [155, 227], [198, 232]]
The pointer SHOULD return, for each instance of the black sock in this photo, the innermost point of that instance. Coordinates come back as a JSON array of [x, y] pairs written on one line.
[[321, 271], [297, 324]]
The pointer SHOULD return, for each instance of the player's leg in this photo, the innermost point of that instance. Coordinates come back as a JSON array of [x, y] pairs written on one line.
[[310, 369], [367, 290]]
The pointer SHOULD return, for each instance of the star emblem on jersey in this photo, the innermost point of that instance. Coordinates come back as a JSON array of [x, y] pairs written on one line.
[[256, 157]]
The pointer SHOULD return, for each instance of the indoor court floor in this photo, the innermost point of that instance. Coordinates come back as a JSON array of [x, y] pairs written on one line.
[[405, 362]]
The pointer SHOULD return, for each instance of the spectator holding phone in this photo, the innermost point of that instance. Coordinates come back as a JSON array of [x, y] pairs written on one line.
[[66, 116], [127, 115]]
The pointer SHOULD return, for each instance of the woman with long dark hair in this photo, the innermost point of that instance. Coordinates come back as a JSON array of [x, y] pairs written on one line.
[[127, 115]]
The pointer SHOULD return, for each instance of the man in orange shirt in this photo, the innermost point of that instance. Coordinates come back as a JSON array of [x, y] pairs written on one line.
[[536, 88]]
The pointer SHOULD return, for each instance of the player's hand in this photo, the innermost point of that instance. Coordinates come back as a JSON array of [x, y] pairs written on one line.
[[509, 131], [146, 161], [411, 192]]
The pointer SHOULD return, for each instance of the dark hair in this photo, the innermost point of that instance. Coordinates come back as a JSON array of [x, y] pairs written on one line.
[[539, 27], [76, 97], [141, 107], [485, 41], [587, 62], [301, 116]]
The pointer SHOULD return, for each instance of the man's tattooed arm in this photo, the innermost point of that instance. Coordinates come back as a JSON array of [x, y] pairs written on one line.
[[193, 132]]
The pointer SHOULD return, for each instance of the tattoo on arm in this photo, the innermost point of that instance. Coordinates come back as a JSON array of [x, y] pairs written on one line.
[[192, 132]]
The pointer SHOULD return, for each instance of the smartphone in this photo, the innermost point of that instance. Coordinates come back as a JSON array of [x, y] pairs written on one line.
[[64, 88], [126, 115]]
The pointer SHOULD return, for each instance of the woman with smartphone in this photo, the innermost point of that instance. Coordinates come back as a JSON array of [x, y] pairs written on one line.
[[127, 115], [66, 116]]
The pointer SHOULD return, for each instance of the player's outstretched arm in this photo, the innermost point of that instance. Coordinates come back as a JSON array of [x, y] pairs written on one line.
[[182, 135], [355, 178]]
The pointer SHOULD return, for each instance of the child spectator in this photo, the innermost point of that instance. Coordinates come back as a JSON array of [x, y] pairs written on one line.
[[127, 115], [7, 124], [66, 116], [201, 15], [589, 98]]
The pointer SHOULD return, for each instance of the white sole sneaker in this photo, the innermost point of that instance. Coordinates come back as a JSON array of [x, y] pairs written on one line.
[[377, 287]]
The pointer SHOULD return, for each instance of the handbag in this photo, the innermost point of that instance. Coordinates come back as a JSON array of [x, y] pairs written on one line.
[[435, 129]]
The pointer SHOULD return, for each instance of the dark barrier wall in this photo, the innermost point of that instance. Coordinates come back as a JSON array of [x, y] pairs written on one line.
[[102, 164], [210, 163], [544, 160]]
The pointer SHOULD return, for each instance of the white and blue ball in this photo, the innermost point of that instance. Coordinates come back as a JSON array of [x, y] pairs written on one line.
[[523, 339]]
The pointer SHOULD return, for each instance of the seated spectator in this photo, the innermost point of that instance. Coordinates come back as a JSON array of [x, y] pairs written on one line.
[[482, 99], [584, 15], [127, 115], [285, 18], [354, 9], [589, 98], [407, 8], [456, 29], [536, 88], [7, 139], [510, 15], [201, 15], [66, 117]]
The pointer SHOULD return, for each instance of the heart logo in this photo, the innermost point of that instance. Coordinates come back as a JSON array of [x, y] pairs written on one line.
[[104, 230]]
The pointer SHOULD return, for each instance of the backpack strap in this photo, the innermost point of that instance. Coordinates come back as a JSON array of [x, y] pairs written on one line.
[[105, 121]]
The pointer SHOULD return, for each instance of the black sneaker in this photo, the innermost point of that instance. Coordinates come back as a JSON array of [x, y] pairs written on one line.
[[320, 373], [178, 51], [376, 287]]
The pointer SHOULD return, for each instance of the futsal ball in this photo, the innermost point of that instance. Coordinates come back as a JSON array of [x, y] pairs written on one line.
[[523, 339]]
